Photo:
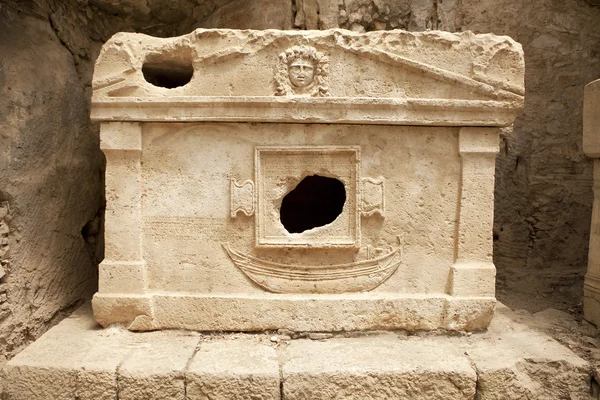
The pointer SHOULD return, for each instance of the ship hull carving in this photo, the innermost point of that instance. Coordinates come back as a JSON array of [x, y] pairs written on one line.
[[360, 276]]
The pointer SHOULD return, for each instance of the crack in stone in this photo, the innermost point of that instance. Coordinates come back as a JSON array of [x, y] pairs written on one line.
[[187, 367], [477, 394], [118, 371], [294, 13], [280, 362], [55, 29]]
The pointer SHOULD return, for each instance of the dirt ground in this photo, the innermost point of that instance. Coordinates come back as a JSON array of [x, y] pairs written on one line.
[[561, 289]]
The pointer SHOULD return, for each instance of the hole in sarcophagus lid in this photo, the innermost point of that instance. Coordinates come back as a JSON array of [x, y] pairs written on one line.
[[314, 202], [169, 70]]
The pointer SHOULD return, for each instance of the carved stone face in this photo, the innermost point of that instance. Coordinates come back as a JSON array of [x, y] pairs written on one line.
[[301, 72]]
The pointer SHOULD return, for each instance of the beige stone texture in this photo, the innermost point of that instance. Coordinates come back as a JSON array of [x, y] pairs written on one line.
[[389, 369], [543, 200], [591, 146], [511, 360], [514, 362], [156, 368], [233, 370], [296, 312], [74, 360], [410, 84], [195, 215], [473, 279]]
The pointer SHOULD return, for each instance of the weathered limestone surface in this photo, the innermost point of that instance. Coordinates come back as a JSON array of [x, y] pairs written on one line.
[[543, 205], [156, 368], [514, 359], [233, 369], [197, 235], [380, 367], [235, 64], [47, 371], [510, 361]]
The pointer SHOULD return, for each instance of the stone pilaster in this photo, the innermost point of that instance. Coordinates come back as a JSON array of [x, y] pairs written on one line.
[[591, 147], [591, 288], [473, 273], [123, 269]]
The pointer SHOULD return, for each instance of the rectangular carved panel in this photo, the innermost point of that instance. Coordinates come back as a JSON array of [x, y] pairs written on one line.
[[280, 169]]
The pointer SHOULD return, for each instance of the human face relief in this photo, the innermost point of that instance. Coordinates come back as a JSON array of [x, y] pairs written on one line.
[[301, 72]]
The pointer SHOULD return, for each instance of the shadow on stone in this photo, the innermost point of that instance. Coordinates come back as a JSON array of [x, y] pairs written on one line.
[[316, 201]]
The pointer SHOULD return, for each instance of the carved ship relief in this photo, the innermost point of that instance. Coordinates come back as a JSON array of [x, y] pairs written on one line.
[[360, 276]]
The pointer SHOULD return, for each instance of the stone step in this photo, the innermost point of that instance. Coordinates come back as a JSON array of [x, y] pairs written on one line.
[[78, 360]]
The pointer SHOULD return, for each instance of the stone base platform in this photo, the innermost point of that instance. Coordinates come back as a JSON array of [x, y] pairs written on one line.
[[296, 312], [78, 360]]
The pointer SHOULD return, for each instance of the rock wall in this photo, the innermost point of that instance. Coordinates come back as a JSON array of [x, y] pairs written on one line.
[[51, 168], [50, 181]]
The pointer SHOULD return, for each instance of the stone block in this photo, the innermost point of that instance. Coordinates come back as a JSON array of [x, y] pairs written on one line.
[[511, 360], [132, 310], [468, 313], [591, 287], [122, 277], [514, 361], [473, 279], [72, 360], [357, 311], [233, 370], [383, 368], [121, 136], [156, 369]]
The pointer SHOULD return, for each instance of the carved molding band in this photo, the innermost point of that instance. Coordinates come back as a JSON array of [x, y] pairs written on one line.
[[331, 110]]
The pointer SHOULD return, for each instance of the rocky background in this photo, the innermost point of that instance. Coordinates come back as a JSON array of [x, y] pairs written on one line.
[[51, 167]]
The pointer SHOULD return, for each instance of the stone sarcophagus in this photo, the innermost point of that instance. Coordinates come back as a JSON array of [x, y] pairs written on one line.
[[308, 180]]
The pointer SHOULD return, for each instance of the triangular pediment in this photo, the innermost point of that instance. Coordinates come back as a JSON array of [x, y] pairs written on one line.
[[396, 67]]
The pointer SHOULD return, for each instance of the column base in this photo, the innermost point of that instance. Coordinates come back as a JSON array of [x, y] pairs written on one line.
[[591, 299]]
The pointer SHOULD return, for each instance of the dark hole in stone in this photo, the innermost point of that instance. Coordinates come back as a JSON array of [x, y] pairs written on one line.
[[314, 202], [168, 75]]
